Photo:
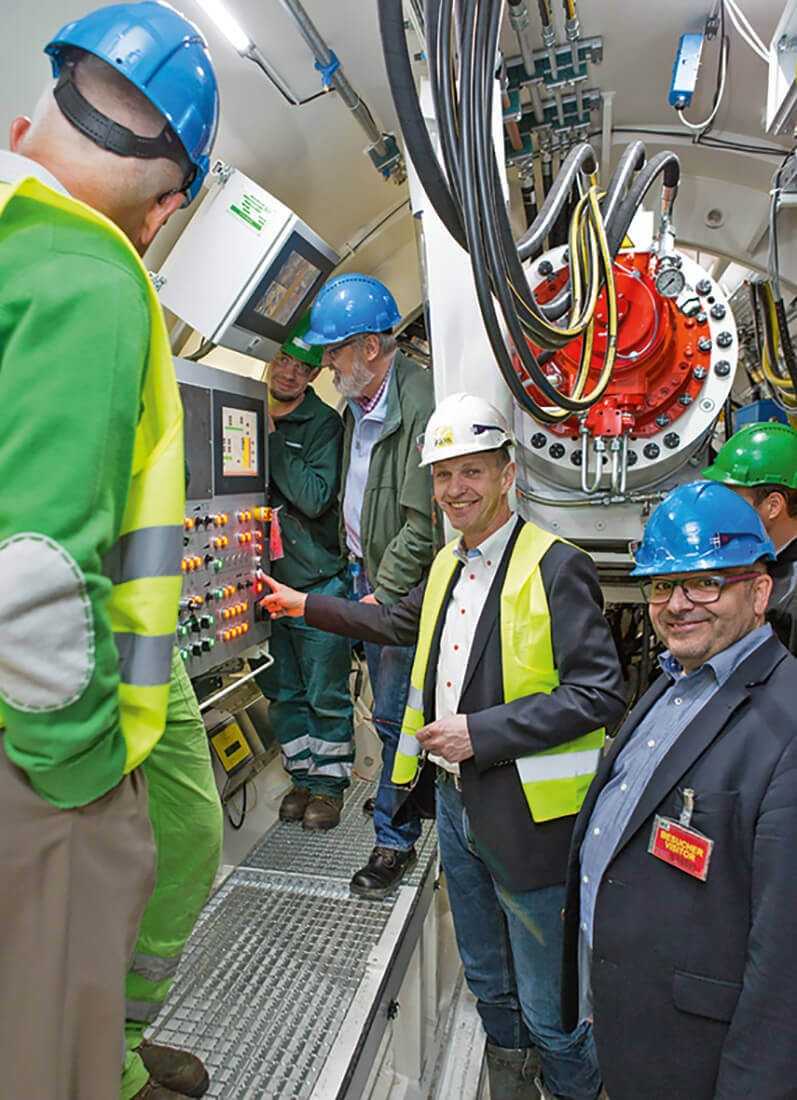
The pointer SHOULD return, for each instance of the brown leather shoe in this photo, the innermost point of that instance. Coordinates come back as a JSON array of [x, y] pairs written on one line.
[[294, 804], [154, 1091], [174, 1069], [323, 812]]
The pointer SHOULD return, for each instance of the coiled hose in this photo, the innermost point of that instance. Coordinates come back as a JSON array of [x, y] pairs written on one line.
[[467, 197]]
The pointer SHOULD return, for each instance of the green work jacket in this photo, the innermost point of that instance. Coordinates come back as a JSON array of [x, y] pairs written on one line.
[[304, 480], [399, 525]]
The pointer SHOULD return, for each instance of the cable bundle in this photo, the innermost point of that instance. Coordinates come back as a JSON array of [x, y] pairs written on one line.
[[467, 196]]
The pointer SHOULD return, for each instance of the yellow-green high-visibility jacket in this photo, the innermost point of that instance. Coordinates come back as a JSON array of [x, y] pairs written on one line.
[[91, 497], [554, 781]]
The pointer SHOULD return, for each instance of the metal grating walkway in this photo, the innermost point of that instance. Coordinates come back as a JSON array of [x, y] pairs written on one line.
[[291, 849], [278, 957]]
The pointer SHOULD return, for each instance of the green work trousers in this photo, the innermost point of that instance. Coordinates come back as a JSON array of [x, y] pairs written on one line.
[[311, 711], [185, 813]]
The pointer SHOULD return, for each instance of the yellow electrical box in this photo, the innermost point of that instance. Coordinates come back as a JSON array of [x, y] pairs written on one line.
[[231, 747]]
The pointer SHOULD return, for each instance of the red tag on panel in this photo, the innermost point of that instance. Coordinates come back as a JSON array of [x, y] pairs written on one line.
[[681, 847]]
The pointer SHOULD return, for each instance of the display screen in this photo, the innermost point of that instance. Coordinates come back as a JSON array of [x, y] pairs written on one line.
[[285, 289], [289, 288], [240, 456], [239, 442]]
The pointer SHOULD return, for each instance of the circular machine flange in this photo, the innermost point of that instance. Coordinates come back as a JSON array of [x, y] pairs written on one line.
[[673, 373]]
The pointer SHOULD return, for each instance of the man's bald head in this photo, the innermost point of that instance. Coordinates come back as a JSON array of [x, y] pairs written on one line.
[[137, 194]]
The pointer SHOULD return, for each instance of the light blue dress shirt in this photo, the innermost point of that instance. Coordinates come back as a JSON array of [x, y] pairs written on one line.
[[367, 430], [634, 766]]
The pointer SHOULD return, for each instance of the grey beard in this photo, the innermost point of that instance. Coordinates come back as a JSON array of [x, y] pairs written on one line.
[[353, 384]]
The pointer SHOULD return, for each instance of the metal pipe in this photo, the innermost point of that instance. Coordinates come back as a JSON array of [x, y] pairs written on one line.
[[586, 486], [528, 192], [573, 34], [212, 699], [519, 18], [536, 103], [338, 80]]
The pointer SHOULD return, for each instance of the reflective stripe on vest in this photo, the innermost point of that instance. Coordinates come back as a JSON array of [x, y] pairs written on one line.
[[555, 781], [144, 565]]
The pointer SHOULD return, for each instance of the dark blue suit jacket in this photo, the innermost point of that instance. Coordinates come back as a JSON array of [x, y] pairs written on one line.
[[695, 983]]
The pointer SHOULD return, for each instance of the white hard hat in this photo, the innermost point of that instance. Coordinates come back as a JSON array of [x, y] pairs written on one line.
[[462, 425]]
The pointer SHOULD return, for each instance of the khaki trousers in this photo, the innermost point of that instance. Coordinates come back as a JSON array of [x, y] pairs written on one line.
[[74, 886]]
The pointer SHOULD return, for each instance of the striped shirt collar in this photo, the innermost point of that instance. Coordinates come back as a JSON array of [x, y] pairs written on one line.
[[368, 404]]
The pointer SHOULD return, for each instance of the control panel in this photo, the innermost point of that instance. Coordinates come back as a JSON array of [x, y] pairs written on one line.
[[225, 536]]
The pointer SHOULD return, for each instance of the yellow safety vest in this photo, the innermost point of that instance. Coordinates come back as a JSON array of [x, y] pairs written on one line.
[[555, 781], [144, 565]]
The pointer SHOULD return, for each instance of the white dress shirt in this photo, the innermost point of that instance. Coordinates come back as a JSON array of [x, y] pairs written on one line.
[[463, 613]]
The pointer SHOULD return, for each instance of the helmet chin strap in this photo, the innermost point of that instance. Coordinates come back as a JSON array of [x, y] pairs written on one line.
[[114, 137]]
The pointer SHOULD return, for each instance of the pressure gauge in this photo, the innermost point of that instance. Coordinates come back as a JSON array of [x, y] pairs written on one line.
[[670, 280]]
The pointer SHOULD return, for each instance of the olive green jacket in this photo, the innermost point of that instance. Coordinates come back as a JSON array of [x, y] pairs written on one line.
[[400, 526]]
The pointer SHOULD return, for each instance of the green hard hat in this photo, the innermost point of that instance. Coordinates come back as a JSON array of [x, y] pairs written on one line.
[[297, 348], [758, 454]]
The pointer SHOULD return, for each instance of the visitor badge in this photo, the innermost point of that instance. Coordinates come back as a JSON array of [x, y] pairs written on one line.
[[681, 846]]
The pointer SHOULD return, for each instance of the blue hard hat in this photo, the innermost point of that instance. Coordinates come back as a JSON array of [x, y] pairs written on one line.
[[701, 525], [349, 304], [166, 57]]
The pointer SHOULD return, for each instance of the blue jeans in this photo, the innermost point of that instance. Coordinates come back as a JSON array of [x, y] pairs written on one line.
[[511, 948], [311, 711], [389, 668]]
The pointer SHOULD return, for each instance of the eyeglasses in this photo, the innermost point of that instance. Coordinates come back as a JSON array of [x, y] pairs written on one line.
[[706, 588], [333, 349], [287, 362]]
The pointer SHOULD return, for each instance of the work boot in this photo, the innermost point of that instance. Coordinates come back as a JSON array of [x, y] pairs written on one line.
[[510, 1072], [323, 812], [174, 1069], [383, 872], [545, 1093], [153, 1091], [294, 804]]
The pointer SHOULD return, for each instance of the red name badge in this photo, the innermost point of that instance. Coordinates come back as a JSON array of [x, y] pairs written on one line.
[[681, 847]]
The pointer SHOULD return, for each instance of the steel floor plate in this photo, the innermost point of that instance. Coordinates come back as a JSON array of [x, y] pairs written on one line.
[[288, 847], [276, 959]]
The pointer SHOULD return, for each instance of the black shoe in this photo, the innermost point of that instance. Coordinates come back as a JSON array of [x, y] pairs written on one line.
[[383, 872], [509, 1072], [369, 806]]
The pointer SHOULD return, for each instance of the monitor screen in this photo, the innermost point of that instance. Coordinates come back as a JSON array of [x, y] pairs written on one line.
[[285, 289], [239, 459], [239, 442]]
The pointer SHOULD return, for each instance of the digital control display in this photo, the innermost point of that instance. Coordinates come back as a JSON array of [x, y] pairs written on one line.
[[239, 439], [290, 285]]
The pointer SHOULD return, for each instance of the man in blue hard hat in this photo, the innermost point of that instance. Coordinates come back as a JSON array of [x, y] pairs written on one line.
[[387, 512], [93, 708], [682, 899]]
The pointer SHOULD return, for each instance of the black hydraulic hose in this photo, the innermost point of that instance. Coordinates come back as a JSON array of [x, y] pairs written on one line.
[[786, 345], [666, 164], [439, 17], [632, 160], [473, 228], [558, 234], [529, 196], [580, 159], [476, 75], [413, 126]]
